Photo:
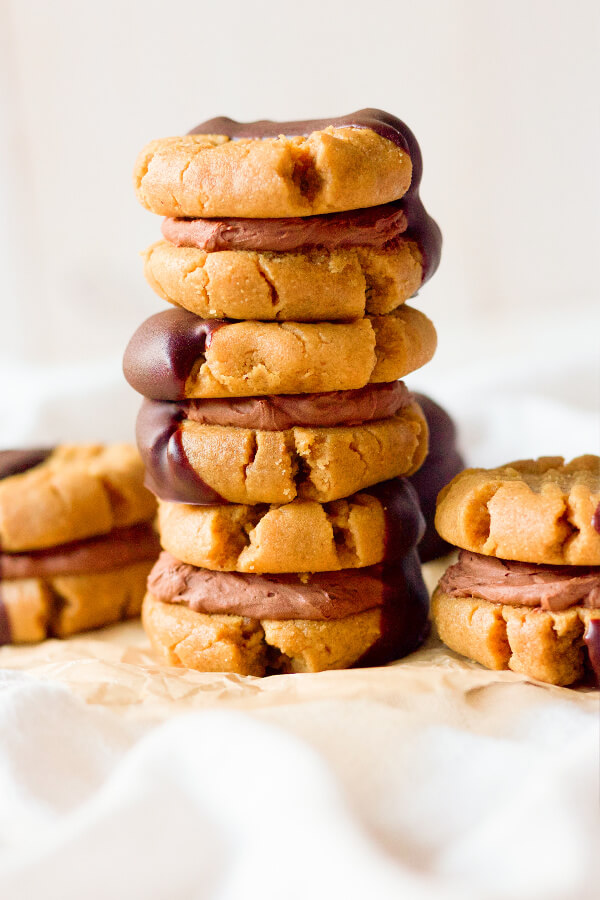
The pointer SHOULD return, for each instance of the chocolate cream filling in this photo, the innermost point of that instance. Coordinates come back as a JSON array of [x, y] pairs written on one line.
[[373, 227], [421, 228], [117, 549], [398, 591], [552, 588]]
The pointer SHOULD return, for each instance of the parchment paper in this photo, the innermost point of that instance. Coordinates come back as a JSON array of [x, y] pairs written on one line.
[[115, 667]]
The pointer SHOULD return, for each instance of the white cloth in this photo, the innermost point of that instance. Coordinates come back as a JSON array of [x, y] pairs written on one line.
[[297, 800]]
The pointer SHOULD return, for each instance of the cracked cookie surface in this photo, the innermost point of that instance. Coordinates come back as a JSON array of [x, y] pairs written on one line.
[[539, 511], [33, 609], [332, 170], [312, 285], [300, 536], [547, 646], [244, 465], [170, 357]]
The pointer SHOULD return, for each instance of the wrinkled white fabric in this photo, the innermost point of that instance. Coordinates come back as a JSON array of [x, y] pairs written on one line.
[[225, 805]]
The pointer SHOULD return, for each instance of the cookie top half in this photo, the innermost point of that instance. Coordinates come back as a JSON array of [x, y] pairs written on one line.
[[541, 511], [53, 496], [280, 169]]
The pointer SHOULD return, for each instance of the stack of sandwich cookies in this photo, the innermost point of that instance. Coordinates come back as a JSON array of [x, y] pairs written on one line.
[[525, 593], [267, 440], [76, 539]]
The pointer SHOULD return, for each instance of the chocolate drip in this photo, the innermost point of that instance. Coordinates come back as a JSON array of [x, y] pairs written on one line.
[[596, 519], [404, 620], [421, 227], [592, 643], [404, 522], [443, 462], [5, 629], [14, 462], [169, 474], [161, 354]]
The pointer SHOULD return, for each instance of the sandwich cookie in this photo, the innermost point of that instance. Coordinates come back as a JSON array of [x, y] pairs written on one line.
[[76, 537], [258, 624], [525, 593], [274, 449]]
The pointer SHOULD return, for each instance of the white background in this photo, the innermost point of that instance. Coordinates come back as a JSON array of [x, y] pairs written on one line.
[[502, 97]]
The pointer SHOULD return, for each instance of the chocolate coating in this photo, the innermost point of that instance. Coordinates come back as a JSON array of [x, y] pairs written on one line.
[[404, 622], [5, 629], [120, 547], [160, 356], [443, 462], [14, 462], [372, 227], [169, 474], [404, 522], [592, 643], [421, 227]]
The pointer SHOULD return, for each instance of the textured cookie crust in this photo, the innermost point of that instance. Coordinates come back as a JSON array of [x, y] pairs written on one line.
[[244, 359], [79, 491], [213, 643], [548, 646], [248, 466], [202, 175], [301, 536], [531, 510], [68, 604], [312, 285]]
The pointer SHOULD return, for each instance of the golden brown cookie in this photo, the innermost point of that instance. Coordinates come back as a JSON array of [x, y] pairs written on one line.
[[331, 170], [309, 285], [32, 609], [74, 492], [545, 645], [377, 525], [176, 355], [217, 463], [215, 643], [537, 511]]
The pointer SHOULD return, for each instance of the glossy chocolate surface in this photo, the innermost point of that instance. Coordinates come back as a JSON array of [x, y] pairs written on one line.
[[592, 643], [404, 522], [404, 615], [442, 463], [5, 629], [421, 227], [14, 462], [161, 354], [169, 474]]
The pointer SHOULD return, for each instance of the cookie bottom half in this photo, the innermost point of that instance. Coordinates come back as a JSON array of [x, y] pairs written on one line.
[[186, 629], [554, 647], [33, 609]]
